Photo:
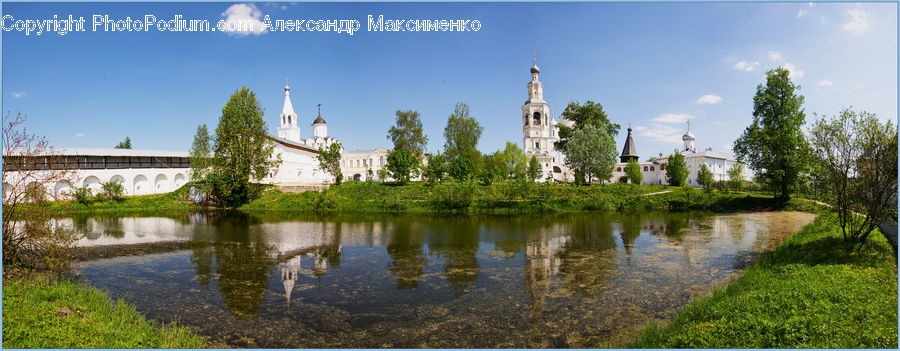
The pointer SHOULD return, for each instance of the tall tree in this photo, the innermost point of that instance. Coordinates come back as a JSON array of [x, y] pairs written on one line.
[[407, 133], [676, 170], [736, 176], [705, 178], [243, 152], [582, 115], [436, 169], [329, 158], [201, 154], [534, 169], [124, 144], [773, 144], [591, 151], [513, 162], [462, 134], [857, 155], [633, 172]]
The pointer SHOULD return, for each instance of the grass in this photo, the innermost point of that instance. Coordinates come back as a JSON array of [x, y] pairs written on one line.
[[810, 292], [46, 313]]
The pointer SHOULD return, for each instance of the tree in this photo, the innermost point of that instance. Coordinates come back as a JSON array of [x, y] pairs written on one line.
[[512, 162], [534, 169], [436, 169], [201, 154], [676, 170], [402, 165], [461, 148], [773, 144], [124, 144], [633, 172], [111, 190], [29, 238], [857, 155], [243, 152], [407, 134], [705, 178], [493, 169], [736, 176], [592, 152], [581, 116], [329, 158]]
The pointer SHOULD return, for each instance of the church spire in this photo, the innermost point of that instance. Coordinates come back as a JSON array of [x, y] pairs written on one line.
[[288, 128], [629, 152]]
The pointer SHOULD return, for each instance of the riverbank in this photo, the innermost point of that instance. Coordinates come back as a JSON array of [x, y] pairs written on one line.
[[807, 293], [42, 312]]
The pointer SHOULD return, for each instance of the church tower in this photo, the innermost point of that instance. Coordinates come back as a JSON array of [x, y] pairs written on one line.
[[538, 129], [320, 128], [288, 128], [629, 152], [688, 139]]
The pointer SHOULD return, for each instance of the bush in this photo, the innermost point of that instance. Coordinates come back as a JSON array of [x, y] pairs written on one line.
[[83, 195], [452, 196], [326, 201], [111, 190]]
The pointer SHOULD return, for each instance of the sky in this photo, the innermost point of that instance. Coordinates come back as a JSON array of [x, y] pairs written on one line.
[[652, 66]]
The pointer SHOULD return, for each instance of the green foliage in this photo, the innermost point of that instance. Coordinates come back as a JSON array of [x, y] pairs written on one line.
[[83, 195], [633, 171], [453, 196], [512, 161], [329, 158], [201, 154], [111, 190], [591, 151], [533, 171], [705, 178], [462, 134], [243, 152], [436, 169], [402, 165], [736, 176], [581, 116], [809, 292], [773, 144], [407, 133], [676, 170], [124, 144], [31, 319], [856, 157]]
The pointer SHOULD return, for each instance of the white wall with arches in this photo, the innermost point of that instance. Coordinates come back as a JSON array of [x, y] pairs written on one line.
[[135, 181]]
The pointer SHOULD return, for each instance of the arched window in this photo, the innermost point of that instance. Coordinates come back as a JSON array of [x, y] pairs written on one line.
[[645, 168], [537, 144], [537, 118], [289, 119], [662, 167], [652, 169], [618, 169]]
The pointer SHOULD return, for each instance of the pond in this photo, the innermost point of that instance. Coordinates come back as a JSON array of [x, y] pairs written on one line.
[[276, 280]]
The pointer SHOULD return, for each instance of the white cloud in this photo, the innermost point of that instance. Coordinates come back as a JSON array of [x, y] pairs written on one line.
[[718, 124], [243, 20], [811, 4], [825, 83], [18, 94], [775, 56], [794, 72], [659, 132], [709, 99], [746, 66], [801, 13], [859, 22], [673, 118], [79, 134]]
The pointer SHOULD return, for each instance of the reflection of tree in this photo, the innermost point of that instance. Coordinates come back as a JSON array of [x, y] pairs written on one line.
[[243, 271], [456, 239], [202, 259], [407, 257]]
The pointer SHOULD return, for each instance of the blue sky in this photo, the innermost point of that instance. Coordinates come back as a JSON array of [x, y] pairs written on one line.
[[650, 65]]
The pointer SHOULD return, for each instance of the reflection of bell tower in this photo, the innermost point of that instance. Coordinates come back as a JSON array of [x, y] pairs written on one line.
[[289, 272], [541, 264]]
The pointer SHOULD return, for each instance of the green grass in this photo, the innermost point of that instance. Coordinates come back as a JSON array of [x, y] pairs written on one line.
[[176, 200], [33, 310], [809, 292]]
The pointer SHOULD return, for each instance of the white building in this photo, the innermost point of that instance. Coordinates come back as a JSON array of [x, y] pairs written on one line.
[[355, 165], [539, 131], [140, 172]]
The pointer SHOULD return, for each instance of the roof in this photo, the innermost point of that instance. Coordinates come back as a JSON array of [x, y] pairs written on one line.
[[288, 108], [629, 149], [113, 152], [367, 151], [292, 144], [319, 120], [706, 153]]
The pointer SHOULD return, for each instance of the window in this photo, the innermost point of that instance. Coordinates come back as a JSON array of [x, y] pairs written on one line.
[[645, 168], [365, 163], [537, 118], [382, 161], [618, 169], [662, 167], [537, 144], [289, 119], [652, 169]]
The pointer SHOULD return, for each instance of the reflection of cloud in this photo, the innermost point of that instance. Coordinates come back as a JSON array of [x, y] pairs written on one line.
[[746, 66], [243, 19], [859, 22], [801, 13]]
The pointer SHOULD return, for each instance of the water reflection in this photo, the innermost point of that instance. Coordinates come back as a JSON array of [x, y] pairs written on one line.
[[372, 280]]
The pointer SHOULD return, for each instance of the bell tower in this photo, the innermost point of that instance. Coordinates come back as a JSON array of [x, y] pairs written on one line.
[[538, 130], [288, 129]]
